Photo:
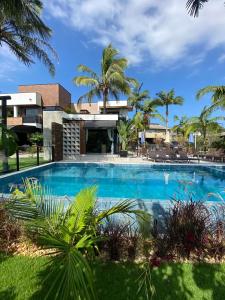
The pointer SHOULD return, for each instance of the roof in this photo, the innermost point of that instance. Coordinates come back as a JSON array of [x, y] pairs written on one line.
[[157, 126]]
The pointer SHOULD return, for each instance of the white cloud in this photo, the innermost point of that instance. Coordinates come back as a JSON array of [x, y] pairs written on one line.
[[147, 30], [221, 58], [10, 66]]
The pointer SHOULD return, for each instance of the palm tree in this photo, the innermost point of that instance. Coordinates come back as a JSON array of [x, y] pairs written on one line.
[[136, 97], [150, 111], [112, 80], [139, 124], [182, 125], [23, 31], [218, 94], [193, 6], [166, 99], [69, 232], [205, 124], [124, 130]]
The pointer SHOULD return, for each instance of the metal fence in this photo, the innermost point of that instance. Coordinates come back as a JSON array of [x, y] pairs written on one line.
[[26, 157]]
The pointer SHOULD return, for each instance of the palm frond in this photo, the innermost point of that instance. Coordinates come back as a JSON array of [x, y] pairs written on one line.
[[193, 6]]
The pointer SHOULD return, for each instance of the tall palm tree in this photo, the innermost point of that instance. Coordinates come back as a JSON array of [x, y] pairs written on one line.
[[137, 97], [205, 124], [166, 99], [24, 32], [112, 80], [150, 111], [193, 6], [218, 94]]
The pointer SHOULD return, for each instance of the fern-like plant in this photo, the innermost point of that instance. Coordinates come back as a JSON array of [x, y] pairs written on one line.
[[69, 233]]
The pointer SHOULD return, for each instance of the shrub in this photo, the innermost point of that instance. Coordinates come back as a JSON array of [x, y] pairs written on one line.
[[186, 227], [10, 230], [119, 240]]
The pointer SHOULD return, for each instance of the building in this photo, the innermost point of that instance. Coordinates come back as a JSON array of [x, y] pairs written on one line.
[[86, 131], [25, 108], [44, 107], [156, 133]]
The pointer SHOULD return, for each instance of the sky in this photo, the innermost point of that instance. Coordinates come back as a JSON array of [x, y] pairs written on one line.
[[166, 48]]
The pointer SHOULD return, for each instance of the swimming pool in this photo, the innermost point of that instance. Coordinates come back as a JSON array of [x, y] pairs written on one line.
[[152, 181]]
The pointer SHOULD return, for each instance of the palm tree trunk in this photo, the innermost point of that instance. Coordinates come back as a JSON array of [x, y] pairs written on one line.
[[105, 99], [167, 114], [5, 164], [204, 139]]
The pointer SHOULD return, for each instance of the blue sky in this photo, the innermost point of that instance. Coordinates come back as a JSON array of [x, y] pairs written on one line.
[[166, 48]]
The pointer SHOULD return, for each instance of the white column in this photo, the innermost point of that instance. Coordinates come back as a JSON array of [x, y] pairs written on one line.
[[15, 111]]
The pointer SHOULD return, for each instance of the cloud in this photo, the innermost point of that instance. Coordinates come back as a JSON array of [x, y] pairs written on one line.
[[153, 31], [221, 58], [10, 66]]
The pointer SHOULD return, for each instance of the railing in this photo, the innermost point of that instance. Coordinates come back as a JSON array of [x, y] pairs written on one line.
[[26, 157], [32, 119]]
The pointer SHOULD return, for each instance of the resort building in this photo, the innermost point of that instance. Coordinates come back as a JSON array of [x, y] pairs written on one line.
[[86, 131], [44, 107], [156, 133], [25, 108]]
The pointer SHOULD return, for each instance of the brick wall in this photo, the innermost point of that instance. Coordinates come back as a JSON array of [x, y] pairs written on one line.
[[52, 94]]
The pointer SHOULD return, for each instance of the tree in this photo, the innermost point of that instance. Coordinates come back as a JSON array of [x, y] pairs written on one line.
[[193, 6], [24, 32], [139, 124], [182, 127], [150, 111], [112, 79], [166, 99], [218, 94], [205, 124], [36, 138], [69, 232], [8, 145], [124, 130], [136, 97]]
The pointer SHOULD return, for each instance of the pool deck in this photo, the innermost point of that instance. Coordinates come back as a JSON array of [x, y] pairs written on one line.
[[115, 159]]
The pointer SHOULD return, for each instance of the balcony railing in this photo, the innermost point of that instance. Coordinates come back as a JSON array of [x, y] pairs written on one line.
[[32, 119]]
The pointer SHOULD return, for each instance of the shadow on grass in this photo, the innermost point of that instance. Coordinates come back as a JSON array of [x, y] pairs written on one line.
[[8, 294], [172, 281], [210, 278]]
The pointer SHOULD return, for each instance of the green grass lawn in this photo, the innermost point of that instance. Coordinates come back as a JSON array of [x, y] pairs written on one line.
[[25, 162], [118, 281]]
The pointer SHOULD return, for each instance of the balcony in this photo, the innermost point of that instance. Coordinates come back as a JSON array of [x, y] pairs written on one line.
[[27, 120]]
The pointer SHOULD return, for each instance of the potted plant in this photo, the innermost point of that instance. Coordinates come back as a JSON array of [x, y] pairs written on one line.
[[124, 130]]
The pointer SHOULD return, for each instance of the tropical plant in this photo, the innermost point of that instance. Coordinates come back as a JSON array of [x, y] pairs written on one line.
[[112, 80], [124, 129], [205, 124], [36, 138], [193, 6], [182, 127], [24, 32], [7, 140], [68, 232], [8, 145], [187, 225], [218, 95], [166, 99], [136, 97], [150, 111], [139, 124]]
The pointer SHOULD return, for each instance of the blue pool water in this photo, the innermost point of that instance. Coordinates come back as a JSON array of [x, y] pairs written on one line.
[[126, 181]]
